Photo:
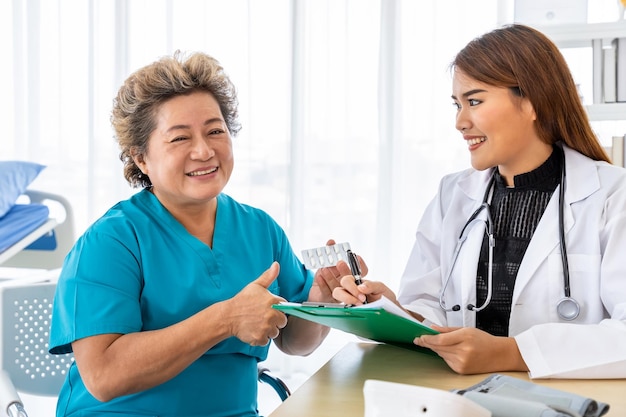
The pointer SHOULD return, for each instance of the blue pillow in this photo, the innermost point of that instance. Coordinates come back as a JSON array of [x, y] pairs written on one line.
[[15, 177]]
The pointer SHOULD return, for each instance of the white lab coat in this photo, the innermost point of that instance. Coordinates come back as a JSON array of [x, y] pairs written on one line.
[[591, 346]]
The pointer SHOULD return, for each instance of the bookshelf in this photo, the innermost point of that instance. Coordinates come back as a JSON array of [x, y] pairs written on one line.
[[576, 35], [606, 111], [579, 35], [582, 35]]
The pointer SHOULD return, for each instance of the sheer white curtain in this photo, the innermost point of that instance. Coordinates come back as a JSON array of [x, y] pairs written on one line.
[[345, 105]]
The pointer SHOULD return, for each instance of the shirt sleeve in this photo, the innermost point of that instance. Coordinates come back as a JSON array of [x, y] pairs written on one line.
[[98, 296], [562, 350]]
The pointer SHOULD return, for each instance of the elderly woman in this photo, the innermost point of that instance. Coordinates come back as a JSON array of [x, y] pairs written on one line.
[[166, 300]]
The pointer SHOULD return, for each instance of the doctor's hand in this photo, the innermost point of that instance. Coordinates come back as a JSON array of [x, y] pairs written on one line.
[[328, 279], [351, 293], [468, 350]]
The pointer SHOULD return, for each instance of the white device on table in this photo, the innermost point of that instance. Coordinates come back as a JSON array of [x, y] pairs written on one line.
[[384, 399]]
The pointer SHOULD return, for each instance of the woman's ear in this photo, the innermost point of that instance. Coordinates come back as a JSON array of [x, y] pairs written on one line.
[[529, 109], [139, 160]]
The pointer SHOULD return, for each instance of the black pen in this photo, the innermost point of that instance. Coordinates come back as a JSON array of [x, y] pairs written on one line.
[[355, 268]]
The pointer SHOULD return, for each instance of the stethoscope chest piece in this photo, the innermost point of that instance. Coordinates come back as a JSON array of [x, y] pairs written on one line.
[[568, 308]]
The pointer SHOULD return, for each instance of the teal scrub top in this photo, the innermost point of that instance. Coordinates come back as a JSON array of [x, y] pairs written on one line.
[[137, 268]]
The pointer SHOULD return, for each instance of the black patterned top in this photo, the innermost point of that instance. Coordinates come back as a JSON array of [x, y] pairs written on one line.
[[515, 211]]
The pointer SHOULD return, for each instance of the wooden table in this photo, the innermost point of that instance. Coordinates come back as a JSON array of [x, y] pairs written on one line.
[[336, 390]]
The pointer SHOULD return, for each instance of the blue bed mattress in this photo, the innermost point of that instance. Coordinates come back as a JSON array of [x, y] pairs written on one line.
[[19, 222]]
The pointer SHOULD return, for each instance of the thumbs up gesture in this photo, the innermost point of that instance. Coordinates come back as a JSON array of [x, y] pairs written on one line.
[[252, 318]]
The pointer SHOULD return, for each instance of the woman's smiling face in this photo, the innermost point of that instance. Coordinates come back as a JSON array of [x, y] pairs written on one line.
[[189, 158], [498, 127]]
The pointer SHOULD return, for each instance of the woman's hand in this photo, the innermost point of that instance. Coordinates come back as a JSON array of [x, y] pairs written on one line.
[[327, 279], [351, 293], [252, 318], [468, 350]]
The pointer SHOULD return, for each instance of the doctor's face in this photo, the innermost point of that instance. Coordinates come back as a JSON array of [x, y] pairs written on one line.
[[189, 157], [498, 127]]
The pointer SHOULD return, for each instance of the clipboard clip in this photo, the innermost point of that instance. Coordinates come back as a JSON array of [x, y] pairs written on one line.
[[322, 304]]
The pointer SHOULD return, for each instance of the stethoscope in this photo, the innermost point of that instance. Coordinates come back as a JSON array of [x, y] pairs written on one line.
[[567, 308]]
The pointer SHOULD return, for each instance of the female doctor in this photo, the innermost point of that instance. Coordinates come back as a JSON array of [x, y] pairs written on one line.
[[519, 261]]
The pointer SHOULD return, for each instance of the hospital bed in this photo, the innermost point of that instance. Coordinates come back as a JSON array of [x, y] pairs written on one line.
[[37, 232]]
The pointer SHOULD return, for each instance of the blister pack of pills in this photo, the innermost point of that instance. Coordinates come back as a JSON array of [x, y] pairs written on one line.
[[325, 256]]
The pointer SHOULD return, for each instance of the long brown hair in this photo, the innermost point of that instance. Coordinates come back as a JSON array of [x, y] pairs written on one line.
[[525, 60]]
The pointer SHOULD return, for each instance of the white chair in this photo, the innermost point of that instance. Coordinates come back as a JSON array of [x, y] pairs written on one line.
[[25, 308]]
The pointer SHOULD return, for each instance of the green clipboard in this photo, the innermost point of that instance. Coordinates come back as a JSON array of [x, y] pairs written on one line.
[[374, 323]]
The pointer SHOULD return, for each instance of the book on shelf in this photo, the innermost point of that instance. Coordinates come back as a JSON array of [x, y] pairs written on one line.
[[382, 320], [596, 47], [618, 157], [621, 70], [609, 77]]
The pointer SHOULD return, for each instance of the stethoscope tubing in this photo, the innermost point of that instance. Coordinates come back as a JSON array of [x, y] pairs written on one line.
[[567, 308]]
